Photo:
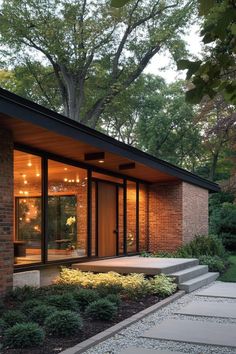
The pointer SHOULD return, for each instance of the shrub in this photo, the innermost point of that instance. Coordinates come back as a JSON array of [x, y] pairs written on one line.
[[23, 335], [21, 294], [132, 285], [101, 310], [29, 305], [62, 302], [84, 297], [11, 317], [215, 264], [3, 326], [63, 323], [163, 285], [57, 289], [40, 313], [203, 246], [114, 299]]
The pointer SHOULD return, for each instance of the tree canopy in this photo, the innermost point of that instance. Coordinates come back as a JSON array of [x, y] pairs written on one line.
[[93, 54]]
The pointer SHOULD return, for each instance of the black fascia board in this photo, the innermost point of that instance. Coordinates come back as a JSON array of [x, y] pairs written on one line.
[[26, 110]]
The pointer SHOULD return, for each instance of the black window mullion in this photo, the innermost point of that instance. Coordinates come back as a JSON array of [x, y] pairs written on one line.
[[44, 221], [137, 217], [125, 216], [89, 213]]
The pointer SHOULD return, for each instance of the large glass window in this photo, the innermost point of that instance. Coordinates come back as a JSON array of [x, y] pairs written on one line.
[[28, 212], [131, 217], [143, 217], [67, 211]]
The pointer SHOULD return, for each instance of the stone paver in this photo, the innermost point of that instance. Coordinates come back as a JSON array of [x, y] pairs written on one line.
[[191, 331], [134, 350], [220, 289], [209, 309]]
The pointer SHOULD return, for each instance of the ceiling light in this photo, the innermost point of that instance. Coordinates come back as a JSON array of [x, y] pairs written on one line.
[[65, 169], [100, 161], [37, 174], [29, 164], [77, 180], [21, 192], [23, 176], [25, 182]]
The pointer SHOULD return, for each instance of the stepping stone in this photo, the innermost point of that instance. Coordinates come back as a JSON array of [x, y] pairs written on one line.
[[201, 332], [134, 350], [210, 309], [220, 289]]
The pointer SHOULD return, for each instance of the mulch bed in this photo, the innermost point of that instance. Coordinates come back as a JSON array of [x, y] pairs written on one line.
[[90, 328]]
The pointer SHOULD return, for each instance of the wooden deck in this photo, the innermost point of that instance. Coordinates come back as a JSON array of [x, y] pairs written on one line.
[[136, 264]]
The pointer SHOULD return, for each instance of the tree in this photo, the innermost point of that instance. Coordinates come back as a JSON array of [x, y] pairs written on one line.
[[218, 137], [93, 54], [215, 73]]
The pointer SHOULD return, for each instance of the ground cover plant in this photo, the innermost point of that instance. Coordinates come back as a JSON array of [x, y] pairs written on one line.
[[208, 249], [78, 306]]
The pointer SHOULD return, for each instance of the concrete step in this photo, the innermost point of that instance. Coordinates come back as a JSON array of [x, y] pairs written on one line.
[[198, 282], [189, 273]]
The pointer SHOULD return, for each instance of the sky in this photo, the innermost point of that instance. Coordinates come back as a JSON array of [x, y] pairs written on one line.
[[161, 63]]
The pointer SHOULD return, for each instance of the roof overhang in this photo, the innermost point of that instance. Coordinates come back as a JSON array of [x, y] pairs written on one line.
[[45, 130]]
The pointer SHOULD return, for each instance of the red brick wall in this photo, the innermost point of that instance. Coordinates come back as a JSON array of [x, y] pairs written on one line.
[[195, 211], [165, 217], [6, 211]]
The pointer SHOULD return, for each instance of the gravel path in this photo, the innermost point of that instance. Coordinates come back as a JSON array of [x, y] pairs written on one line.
[[132, 336]]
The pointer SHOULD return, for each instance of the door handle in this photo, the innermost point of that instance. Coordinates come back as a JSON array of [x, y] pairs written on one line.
[[115, 231]]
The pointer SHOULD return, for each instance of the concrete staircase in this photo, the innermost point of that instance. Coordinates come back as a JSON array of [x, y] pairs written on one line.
[[193, 277]]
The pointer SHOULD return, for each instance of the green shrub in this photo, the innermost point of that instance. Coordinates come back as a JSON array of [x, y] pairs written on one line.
[[3, 326], [62, 302], [23, 335], [11, 317], [163, 285], [203, 246], [84, 297], [109, 288], [28, 306], [101, 310], [40, 313], [21, 294], [57, 289], [215, 263], [114, 299], [63, 323]]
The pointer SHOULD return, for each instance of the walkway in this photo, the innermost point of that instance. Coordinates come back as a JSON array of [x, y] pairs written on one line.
[[202, 322]]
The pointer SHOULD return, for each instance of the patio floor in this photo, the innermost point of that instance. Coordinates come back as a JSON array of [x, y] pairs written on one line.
[[136, 264]]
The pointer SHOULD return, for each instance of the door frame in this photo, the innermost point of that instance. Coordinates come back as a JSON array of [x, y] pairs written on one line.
[[117, 186]]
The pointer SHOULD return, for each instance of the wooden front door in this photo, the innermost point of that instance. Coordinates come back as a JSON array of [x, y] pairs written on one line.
[[107, 219]]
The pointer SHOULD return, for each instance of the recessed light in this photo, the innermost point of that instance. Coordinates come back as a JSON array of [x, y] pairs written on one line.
[[101, 161], [72, 180], [25, 182], [37, 174], [21, 192], [23, 176], [65, 179], [77, 180], [65, 169], [29, 164]]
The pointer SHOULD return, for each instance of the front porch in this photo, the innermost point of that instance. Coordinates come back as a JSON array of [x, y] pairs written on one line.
[[188, 274]]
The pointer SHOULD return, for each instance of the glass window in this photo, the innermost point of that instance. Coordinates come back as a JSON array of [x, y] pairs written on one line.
[[143, 216], [28, 200], [131, 216], [121, 220], [67, 211]]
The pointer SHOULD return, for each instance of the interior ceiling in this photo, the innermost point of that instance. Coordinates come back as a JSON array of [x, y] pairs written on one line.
[[39, 138]]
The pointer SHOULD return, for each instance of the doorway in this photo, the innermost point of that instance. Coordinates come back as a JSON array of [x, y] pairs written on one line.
[[107, 223]]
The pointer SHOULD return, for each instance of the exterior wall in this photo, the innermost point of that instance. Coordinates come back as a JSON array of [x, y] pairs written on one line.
[[6, 211], [165, 217], [195, 211], [177, 213]]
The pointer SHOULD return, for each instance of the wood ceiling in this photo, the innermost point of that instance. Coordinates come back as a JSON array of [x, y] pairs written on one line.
[[39, 138]]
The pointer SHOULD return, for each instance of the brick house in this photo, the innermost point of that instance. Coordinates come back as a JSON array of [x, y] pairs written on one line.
[[69, 193]]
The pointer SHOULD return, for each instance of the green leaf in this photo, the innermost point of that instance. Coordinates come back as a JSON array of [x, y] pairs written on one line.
[[233, 29], [205, 6], [119, 3]]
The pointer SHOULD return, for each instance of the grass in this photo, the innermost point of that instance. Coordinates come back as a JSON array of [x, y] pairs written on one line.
[[230, 274]]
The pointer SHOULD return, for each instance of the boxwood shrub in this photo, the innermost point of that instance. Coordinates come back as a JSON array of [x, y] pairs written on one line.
[[23, 335], [63, 323], [40, 313], [28, 306], [101, 309], [84, 297], [62, 302], [11, 317]]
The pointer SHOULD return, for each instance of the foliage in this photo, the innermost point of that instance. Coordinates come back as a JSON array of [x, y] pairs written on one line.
[[12, 317], [88, 52], [163, 285], [21, 294], [216, 72], [101, 310], [40, 313], [63, 323], [84, 297], [215, 263], [64, 301], [230, 274], [223, 222], [29, 305], [210, 245], [132, 286], [23, 335], [3, 326], [217, 199], [114, 299]]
